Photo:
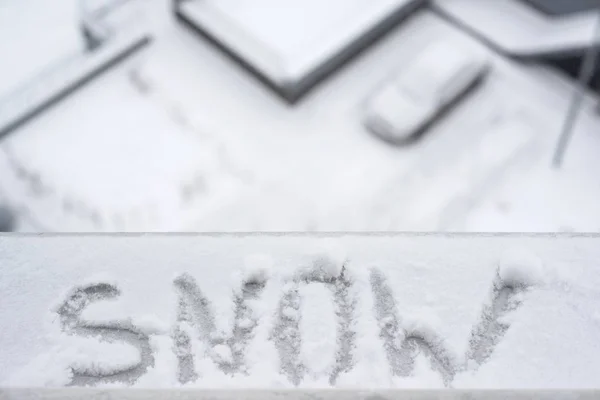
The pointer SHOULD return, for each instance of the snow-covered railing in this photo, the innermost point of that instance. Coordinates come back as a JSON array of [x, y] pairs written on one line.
[[293, 70], [282, 311], [196, 394]]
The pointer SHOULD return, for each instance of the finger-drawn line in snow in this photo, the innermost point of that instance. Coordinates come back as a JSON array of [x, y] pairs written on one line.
[[195, 328], [113, 332], [196, 321], [195, 314], [402, 346], [486, 335]]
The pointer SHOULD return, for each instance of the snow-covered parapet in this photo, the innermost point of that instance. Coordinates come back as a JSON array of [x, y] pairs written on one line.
[[283, 311]]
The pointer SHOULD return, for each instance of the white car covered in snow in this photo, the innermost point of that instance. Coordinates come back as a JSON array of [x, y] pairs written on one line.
[[408, 104]]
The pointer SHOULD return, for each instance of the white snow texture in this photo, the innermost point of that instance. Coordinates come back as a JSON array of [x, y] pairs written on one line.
[[279, 311], [519, 267]]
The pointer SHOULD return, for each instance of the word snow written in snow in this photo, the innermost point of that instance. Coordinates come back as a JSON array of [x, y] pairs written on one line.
[[308, 324]]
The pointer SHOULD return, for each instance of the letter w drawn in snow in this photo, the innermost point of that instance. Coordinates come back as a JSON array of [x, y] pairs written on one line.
[[402, 346]]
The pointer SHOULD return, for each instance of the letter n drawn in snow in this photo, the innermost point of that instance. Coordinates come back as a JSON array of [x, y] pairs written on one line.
[[195, 318]]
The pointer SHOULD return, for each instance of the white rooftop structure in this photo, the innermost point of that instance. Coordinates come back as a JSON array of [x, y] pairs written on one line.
[[291, 43], [285, 311]]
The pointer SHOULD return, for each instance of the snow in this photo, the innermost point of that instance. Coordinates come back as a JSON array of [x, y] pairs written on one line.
[[64, 75], [323, 264], [174, 177], [273, 35], [120, 150], [413, 97], [87, 356], [398, 115], [101, 359], [429, 290], [7, 219], [562, 317], [112, 313], [520, 267], [425, 75], [518, 28], [223, 353], [544, 199], [317, 330], [422, 322], [313, 167]]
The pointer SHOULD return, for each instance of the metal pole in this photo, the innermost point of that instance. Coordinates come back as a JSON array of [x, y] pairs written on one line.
[[585, 74]]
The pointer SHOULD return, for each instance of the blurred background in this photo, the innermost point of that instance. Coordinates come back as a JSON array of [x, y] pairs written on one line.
[[299, 115]]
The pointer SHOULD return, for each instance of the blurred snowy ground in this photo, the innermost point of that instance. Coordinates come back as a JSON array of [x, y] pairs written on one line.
[[179, 138]]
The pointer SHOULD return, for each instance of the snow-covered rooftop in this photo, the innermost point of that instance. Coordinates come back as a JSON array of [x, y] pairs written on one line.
[[289, 42]]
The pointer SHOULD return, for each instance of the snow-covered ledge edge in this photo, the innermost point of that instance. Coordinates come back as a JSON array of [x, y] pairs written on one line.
[[295, 394], [392, 311]]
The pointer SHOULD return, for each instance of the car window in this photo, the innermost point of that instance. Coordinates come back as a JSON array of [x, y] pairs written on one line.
[[415, 91], [426, 78]]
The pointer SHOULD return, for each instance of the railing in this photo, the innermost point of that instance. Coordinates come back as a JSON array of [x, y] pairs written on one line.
[[74, 70], [195, 394]]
